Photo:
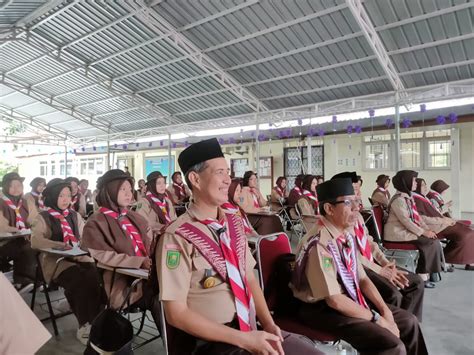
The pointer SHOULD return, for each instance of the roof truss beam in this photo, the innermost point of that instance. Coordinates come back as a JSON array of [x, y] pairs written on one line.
[[370, 33], [180, 42]]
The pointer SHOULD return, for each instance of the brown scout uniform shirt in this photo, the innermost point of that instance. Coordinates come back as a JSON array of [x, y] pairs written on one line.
[[41, 239], [247, 200], [183, 280], [145, 209], [321, 272], [174, 196], [30, 213]]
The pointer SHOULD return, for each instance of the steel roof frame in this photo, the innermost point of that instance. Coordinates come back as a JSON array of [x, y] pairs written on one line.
[[424, 94]]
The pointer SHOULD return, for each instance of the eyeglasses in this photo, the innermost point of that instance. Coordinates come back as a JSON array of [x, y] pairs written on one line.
[[348, 203]]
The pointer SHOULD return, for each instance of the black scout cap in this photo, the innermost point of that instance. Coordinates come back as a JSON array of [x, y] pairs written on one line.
[[199, 152], [334, 188]]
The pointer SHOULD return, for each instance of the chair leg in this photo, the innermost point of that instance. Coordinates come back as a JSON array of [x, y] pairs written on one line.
[[35, 288], [142, 323], [50, 308]]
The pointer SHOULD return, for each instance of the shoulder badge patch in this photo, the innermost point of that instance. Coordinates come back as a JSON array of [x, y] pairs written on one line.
[[173, 258]]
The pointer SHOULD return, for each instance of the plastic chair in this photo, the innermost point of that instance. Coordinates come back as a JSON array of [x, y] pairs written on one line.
[[405, 254], [269, 249]]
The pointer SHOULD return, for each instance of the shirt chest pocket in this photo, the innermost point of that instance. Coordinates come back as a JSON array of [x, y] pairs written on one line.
[[201, 271]]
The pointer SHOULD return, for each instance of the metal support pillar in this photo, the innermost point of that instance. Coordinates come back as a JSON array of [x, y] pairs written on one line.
[[309, 155], [397, 134], [169, 157], [257, 149]]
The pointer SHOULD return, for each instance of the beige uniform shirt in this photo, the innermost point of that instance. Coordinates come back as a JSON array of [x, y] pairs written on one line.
[[41, 239], [32, 213], [145, 209], [21, 332], [399, 226], [182, 280], [82, 206], [247, 200], [321, 272], [173, 195], [380, 198]]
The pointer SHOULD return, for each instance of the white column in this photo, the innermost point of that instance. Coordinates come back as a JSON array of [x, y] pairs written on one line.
[[308, 155], [169, 157], [397, 134], [257, 150], [65, 160], [455, 173]]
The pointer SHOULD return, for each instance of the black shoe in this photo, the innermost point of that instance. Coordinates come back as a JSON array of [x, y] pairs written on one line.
[[450, 268], [429, 284], [469, 267], [435, 277]]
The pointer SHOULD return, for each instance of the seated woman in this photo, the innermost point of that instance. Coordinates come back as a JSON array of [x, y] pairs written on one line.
[[279, 193], [119, 238], [253, 203], [60, 227], [435, 195], [78, 202], [232, 206], [381, 195], [156, 208], [319, 179], [141, 192], [179, 193], [460, 248], [17, 214], [296, 192], [37, 186], [308, 204], [405, 225]]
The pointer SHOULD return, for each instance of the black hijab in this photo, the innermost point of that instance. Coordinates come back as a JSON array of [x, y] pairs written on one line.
[[403, 180]]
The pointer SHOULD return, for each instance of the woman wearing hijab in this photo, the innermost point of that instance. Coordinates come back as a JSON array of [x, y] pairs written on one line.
[[460, 248], [17, 215], [178, 192], [279, 192], [141, 189], [252, 200], [60, 227], [78, 201], [232, 206], [405, 225], [117, 237], [37, 186], [435, 195], [156, 208], [296, 191], [381, 195], [308, 203]]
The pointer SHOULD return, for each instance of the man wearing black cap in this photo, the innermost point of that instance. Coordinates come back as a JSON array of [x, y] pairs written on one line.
[[337, 295], [397, 287], [205, 271], [17, 214]]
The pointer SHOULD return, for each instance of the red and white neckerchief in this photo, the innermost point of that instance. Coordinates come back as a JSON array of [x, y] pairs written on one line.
[[437, 196], [298, 191], [280, 191], [19, 221], [313, 198], [231, 208], [363, 241], [422, 198], [346, 250], [130, 230], [74, 201], [414, 215], [40, 200], [181, 190], [162, 205], [244, 303], [254, 193], [384, 191], [68, 234]]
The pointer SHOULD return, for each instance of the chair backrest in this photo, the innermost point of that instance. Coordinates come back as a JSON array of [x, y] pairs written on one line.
[[371, 202], [268, 249], [377, 212]]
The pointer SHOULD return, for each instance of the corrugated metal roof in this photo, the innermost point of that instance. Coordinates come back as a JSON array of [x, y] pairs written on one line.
[[134, 67]]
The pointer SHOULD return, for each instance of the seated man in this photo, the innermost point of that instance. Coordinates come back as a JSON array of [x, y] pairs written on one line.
[[337, 295], [205, 271]]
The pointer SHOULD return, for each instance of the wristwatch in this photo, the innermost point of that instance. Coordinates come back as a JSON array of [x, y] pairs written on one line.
[[375, 316]]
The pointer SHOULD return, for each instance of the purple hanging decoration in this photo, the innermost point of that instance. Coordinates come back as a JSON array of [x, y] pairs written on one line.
[[288, 133], [311, 132], [406, 123], [83, 149], [124, 146], [358, 129], [232, 140], [300, 122], [261, 137], [281, 134], [115, 145], [349, 129], [137, 145], [371, 112], [389, 123], [252, 134], [221, 141], [453, 117], [186, 143], [422, 108], [151, 143], [440, 120], [174, 145], [75, 151], [94, 148]]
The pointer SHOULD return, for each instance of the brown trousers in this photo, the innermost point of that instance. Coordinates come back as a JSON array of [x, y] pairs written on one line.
[[265, 224], [410, 298], [83, 291], [365, 336], [460, 248], [24, 259]]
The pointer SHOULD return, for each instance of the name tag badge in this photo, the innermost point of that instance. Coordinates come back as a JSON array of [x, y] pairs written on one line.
[[209, 280]]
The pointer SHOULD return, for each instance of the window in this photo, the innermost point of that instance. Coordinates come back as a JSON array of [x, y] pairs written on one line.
[[439, 154], [61, 167], [377, 156], [83, 168], [410, 154], [43, 168], [53, 168], [99, 166], [296, 161]]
